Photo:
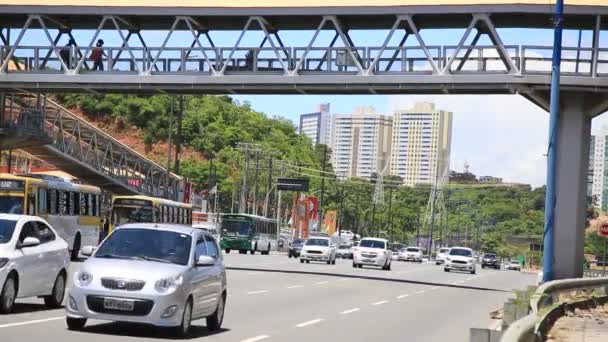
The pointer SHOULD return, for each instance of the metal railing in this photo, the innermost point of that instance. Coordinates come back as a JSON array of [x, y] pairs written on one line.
[[546, 297], [528, 59], [87, 145]]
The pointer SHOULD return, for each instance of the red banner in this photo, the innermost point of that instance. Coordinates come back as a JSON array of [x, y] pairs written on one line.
[[313, 207]]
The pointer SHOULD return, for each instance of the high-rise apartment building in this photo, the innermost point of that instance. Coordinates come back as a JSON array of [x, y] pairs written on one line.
[[361, 143], [317, 125], [421, 143]]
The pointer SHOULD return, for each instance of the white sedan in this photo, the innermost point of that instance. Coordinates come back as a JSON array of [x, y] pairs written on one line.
[[319, 249], [33, 261]]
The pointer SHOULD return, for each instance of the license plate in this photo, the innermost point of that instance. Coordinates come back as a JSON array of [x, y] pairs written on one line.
[[118, 304]]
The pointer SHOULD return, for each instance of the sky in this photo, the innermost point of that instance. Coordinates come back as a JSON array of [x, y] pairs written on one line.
[[497, 135]]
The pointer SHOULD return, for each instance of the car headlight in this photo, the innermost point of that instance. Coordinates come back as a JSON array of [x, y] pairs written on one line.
[[167, 284], [3, 262], [448, 259], [84, 278]]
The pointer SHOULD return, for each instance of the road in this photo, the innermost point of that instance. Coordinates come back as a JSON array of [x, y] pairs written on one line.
[[273, 298]]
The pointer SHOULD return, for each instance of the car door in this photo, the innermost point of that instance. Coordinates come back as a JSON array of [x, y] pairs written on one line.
[[53, 255], [202, 280], [216, 270], [29, 262]]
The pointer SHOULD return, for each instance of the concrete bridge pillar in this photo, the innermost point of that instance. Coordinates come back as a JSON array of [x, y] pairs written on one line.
[[571, 186]]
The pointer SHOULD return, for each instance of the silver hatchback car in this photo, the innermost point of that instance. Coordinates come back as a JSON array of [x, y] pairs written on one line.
[[165, 275]]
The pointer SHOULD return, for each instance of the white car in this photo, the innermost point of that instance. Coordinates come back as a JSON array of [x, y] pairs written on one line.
[[318, 248], [460, 259], [160, 274], [372, 252], [514, 265], [410, 254], [33, 261], [441, 255], [345, 251]]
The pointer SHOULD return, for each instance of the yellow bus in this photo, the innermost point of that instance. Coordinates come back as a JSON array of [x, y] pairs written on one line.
[[72, 209], [129, 209]]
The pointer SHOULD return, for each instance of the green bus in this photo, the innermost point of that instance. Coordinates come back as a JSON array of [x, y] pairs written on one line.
[[244, 232]]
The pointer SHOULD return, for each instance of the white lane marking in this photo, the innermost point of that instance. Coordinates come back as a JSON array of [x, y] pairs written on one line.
[[257, 338], [421, 291], [346, 312], [321, 282], [17, 324], [403, 296], [307, 323], [380, 302], [256, 292], [469, 279], [454, 283], [295, 286], [344, 279], [434, 288]]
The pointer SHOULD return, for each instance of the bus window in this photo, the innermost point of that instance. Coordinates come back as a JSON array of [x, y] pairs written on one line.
[[31, 201], [42, 201], [156, 216], [70, 203], [52, 202], [75, 203], [94, 204], [61, 202], [89, 204], [172, 214], [84, 200]]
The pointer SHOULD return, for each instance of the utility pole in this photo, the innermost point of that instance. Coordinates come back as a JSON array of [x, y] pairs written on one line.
[[390, 200], [418, 227], [169, 148], [268, 186], [431, 244], [178, 136], [278, 213], [243, 206], [320, 207], [254, 210], [341, 220]]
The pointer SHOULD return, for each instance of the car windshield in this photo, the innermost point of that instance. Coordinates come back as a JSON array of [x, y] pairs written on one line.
[[6, 230], [461, 252], [372, 244], [515, 262], [147, 244], [444, 250], [297, 242], [413, 249], [11, 204], [131, 214], [317, 242], [490, 256], [344, 246]]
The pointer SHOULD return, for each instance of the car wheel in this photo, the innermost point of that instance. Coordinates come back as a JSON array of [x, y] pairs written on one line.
[[360, 265], [308, 261], [56, 298], [251, 251], [214, 322], [8, 295], [289, 255], [482, 267], [333, 262], [329, 262], [183, 330], [473, 272], [242, 251], [388, 267], [301, 261], [446, 269], [227, 250], [354, 265], [75, 323]]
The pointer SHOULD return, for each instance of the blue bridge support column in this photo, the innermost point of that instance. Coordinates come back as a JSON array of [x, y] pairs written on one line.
[[571, 186]]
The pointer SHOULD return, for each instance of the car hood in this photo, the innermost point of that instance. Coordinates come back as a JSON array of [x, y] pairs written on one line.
[[315, 248], [407, 252], [6, 250], [370, 250], [131, 269], [460, 258]]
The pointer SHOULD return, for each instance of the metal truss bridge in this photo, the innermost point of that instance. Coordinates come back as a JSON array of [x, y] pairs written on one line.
[[51, 133], [186, 59]]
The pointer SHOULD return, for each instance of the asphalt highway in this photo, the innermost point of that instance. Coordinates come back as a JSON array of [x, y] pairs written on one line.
[[274, 298]]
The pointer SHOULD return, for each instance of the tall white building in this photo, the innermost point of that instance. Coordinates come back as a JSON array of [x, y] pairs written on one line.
[[361, 143], [421, 143], [598, 160], [317, 126]]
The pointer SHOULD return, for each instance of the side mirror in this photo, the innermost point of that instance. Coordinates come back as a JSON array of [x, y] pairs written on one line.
[[87, 250], [204, 261], [29, 242]]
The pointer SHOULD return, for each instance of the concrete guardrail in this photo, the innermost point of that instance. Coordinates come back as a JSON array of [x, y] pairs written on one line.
[[545, 306]]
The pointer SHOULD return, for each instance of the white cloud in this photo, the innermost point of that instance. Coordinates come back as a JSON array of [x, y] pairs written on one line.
[[499, 135]]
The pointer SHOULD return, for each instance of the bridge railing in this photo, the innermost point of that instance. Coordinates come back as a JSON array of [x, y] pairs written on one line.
[[528, 59]]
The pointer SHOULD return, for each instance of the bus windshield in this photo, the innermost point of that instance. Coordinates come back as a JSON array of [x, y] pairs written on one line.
[[236, 227], [11, 204], [130, 214]]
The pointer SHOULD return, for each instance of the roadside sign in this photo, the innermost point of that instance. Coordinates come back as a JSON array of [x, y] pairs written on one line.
[[292, 184], [604, 230]]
